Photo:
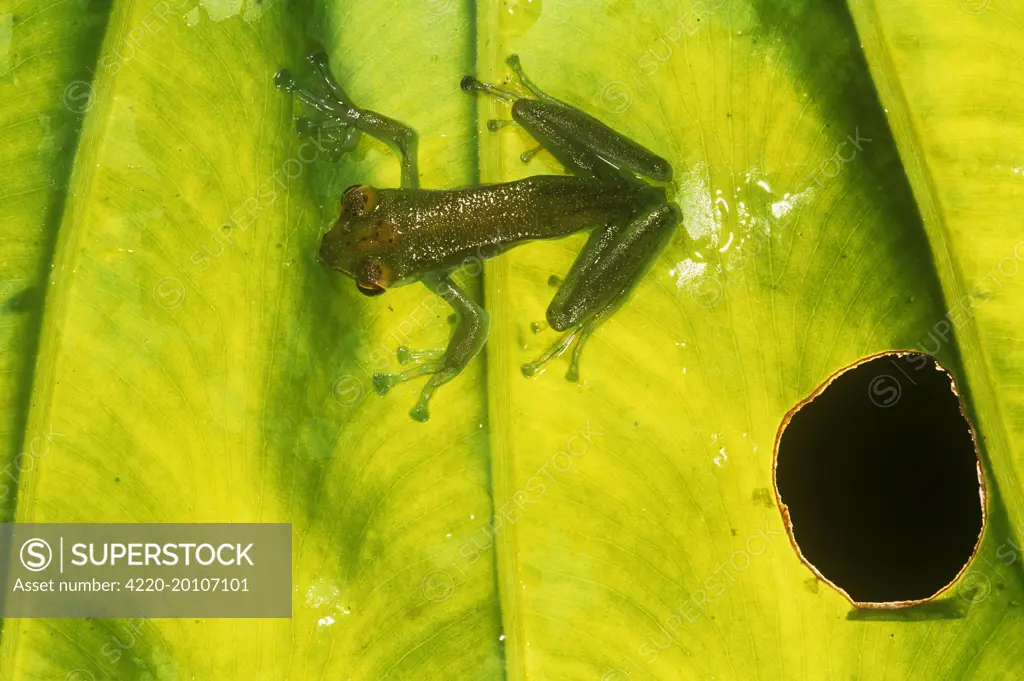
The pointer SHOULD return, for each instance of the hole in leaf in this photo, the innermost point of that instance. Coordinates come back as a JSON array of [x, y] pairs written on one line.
[[879, 482]]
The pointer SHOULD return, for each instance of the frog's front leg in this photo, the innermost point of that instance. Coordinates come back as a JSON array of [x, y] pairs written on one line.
[[346, 120], [468, 338], [613, 260]]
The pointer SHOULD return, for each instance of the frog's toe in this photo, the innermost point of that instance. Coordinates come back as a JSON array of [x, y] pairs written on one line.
[[283, 80], [319, 58], [406, 355], [573, 374], [533, 368], [382, 383], [420, 413], [528, 155], [305, 126], [530, 369], [496, 124]]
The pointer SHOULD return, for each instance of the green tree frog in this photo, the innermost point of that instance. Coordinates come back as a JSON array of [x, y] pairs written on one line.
[[391, 237]]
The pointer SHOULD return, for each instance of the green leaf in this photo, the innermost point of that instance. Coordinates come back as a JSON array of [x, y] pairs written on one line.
[[171, 331]]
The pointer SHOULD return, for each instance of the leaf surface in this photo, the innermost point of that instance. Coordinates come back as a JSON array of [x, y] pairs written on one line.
[[199, 365]]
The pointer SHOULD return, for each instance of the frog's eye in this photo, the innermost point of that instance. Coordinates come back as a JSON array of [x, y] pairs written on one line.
[[359, 199], [372, 278]]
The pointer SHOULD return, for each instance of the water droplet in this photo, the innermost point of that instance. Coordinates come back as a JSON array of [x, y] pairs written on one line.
[[780, 208], [520, 16], [688, 270]]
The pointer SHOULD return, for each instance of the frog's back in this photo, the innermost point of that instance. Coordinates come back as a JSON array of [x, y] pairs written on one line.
[[447, 227]]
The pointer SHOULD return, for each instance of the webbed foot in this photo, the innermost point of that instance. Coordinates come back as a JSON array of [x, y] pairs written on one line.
[[335, 134]]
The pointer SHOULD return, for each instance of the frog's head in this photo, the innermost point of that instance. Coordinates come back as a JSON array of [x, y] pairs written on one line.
[[357, 244]]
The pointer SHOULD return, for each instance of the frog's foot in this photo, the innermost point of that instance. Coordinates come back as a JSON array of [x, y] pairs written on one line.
[[406, 355], [471, 84], [325, 104], [496, 124], [575, 338], [534, 368], [345, 120], [335, 134], [573, 374], [517, 68], [440, 373], [382, 383], [528, 155]]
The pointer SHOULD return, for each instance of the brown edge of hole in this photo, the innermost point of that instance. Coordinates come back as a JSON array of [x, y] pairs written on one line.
[[784, 510]]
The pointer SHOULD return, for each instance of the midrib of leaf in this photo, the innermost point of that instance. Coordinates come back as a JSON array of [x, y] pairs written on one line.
[[983, 401], [490, 60]]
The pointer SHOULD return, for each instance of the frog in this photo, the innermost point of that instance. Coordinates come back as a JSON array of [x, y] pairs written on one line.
[[389, 237]]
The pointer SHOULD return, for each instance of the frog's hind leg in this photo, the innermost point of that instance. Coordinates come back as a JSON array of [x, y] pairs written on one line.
[[599, 281], [442, 366], [342, 113], [619, 151]]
